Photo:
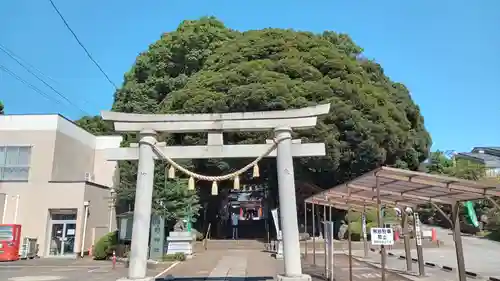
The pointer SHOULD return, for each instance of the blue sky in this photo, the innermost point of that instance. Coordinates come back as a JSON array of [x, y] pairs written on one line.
[[446, 52]]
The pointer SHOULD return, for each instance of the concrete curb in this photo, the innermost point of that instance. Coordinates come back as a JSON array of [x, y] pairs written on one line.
[[469, 274]]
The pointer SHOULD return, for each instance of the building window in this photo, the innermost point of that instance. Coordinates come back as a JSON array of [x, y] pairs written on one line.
[[492, 172], [14, 163]]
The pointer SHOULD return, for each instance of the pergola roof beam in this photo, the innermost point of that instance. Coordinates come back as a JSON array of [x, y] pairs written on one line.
[[402, 196], [370, 200], [338, 205], [439, 181]]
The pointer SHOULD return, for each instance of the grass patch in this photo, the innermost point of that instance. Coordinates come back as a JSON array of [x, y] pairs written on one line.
[[174, 257]]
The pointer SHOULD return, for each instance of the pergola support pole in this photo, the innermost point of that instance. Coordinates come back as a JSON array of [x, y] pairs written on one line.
[[324, 218], [406, 240], [349, 234], [325, 247], [330, 213], [363, 229], [380, 224], [313, 219], [458, 242], [305, 229]]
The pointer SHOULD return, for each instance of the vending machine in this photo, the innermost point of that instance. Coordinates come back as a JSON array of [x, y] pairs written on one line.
[[10, 240]]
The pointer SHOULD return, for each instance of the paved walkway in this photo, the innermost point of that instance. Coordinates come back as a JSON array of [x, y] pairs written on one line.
[[361, 271], [481, 256], [251, 264], [399, 265], [257, 265], [66, 270]]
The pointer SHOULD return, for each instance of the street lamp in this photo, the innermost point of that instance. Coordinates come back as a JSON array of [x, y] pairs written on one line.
[[111, 207], [86, 205]]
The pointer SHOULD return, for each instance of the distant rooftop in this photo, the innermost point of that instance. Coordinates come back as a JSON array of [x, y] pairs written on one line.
[[488, 155]]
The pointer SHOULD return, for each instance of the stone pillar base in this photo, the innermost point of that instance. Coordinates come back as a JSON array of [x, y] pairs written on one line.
[[303, 277]]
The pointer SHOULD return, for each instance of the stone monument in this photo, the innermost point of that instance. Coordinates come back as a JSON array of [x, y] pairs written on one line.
[[180, 240]]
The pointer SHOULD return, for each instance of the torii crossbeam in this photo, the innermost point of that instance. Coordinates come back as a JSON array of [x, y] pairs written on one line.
[[282, 122]]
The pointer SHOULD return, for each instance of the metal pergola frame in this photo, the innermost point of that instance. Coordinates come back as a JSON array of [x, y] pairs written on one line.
[[404, 188]]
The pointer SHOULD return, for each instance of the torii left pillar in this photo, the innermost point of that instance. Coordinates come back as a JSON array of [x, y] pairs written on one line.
[[142, 210]]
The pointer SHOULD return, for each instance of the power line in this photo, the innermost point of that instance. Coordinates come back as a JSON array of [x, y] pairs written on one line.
[[40, 79], [34, 88], [27, 63], [81, 44]]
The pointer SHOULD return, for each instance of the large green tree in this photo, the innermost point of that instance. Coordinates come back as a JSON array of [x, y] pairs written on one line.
[[205, 67]]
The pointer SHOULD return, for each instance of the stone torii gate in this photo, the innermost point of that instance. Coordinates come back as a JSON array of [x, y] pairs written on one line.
[[282, 147]]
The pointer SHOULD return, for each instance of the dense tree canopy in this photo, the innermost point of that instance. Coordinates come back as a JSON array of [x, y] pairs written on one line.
[[204, 67], [1, 107], [439, 163], [95, 125]]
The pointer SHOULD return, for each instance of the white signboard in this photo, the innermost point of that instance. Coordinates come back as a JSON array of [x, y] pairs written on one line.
[[329, 261], [363, 221], [426, 233], [274, 212], [418, 233], [382, 236]]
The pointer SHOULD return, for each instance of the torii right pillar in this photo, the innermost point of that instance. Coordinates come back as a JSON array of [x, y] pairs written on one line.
[[288, 208]]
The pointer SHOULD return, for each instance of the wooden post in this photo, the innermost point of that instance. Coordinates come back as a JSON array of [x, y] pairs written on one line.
[[313, 233], [380, 224], [349, 232], [305, 229], [458, 242], [406, 239], [363, 229]]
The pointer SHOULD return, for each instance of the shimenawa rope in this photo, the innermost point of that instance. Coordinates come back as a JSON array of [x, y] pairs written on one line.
[[215, 179]]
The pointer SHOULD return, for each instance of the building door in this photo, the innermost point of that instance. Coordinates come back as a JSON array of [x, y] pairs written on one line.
[[62, 235]]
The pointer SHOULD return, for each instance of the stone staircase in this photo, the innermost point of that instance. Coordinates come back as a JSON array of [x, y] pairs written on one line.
[[230, 245]]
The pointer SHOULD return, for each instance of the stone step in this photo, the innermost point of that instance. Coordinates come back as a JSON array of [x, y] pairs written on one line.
[[231, 244]]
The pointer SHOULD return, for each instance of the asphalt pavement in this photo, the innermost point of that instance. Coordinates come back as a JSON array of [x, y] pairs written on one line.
[[65, 269]]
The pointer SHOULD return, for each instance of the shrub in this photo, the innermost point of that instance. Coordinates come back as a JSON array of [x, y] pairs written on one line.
[[356, 230], [174, 257], [493, 225], [105, 246]]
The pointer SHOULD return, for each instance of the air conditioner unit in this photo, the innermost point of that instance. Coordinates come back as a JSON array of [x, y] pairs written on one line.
[[90, 177]]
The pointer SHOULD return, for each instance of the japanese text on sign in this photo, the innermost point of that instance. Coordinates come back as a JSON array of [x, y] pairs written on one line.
[[418, 233], [382, 236]]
